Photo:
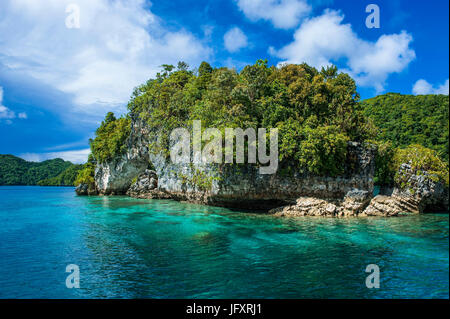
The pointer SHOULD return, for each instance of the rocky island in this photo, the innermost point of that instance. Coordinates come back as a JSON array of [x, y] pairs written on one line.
[[329, 158]]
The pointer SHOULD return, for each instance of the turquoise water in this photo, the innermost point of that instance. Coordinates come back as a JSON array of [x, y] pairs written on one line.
[[128, 248]]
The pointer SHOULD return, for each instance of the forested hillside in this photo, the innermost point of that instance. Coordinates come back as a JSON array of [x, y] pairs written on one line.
[[407, 119], [17, 171]]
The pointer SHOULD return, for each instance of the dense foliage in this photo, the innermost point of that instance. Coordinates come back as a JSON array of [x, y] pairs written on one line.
[[17, 171], [410, 128], [110, 138], [407, 119], [86, 175], [316, 112]]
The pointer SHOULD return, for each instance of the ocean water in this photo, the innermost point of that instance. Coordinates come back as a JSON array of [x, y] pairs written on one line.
[[129, 248]]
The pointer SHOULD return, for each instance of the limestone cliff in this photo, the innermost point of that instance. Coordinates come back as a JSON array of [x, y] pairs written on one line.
[[227, 185]]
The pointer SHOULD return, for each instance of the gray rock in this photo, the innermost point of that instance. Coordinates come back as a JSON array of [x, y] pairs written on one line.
[[145, 183], [420, 194], [85, 190], [227, 185]]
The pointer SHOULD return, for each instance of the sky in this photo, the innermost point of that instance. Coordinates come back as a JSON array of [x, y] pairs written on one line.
[[65, 64]]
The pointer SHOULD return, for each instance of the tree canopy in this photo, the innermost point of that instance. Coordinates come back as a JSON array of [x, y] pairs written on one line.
[[316, 112]]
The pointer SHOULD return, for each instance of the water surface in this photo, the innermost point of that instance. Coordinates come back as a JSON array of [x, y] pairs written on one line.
[[129, 248]]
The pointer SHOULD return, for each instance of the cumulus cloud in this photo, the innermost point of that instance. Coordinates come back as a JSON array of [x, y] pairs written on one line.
[[325, 40], [284, 14], [77, 156], [119, 45], [422, 87], [235, 40]]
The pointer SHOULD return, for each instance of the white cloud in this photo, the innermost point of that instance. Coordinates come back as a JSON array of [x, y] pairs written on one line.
[[77, 157], [22, 115], [120, 44], [235, 40], [325, 40], [284, 14], [422, 87], [6, 113]]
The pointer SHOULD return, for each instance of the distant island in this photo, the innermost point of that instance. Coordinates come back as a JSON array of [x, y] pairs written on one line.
[[55, 172]]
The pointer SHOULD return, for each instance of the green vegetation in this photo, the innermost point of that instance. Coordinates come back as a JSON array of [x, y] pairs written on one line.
[[17, 171], [407, 119], [410, 129], [110, 138], [422, 160], [108, 143], [65, 178], [86, 175], [316, 112]]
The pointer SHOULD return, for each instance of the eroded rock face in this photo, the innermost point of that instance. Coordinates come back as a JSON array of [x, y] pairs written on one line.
[[115, 177], [355, 202], [420, 193], [382, 205], [145, 182], [227, 185], [242, 186]]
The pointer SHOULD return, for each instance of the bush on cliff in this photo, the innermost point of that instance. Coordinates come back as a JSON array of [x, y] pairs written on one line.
[[422, 160], [110, 138]]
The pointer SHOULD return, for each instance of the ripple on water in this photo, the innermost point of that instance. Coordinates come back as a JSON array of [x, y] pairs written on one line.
[[130, 248]]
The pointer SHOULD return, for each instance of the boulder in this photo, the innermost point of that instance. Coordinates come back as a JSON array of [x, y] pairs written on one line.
[[420, 193], [382, 205], [145, 182], [354, 202], [85, 190], [307, 206]]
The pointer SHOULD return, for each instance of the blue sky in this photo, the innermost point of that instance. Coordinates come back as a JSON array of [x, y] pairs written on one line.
[[57, 82]]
